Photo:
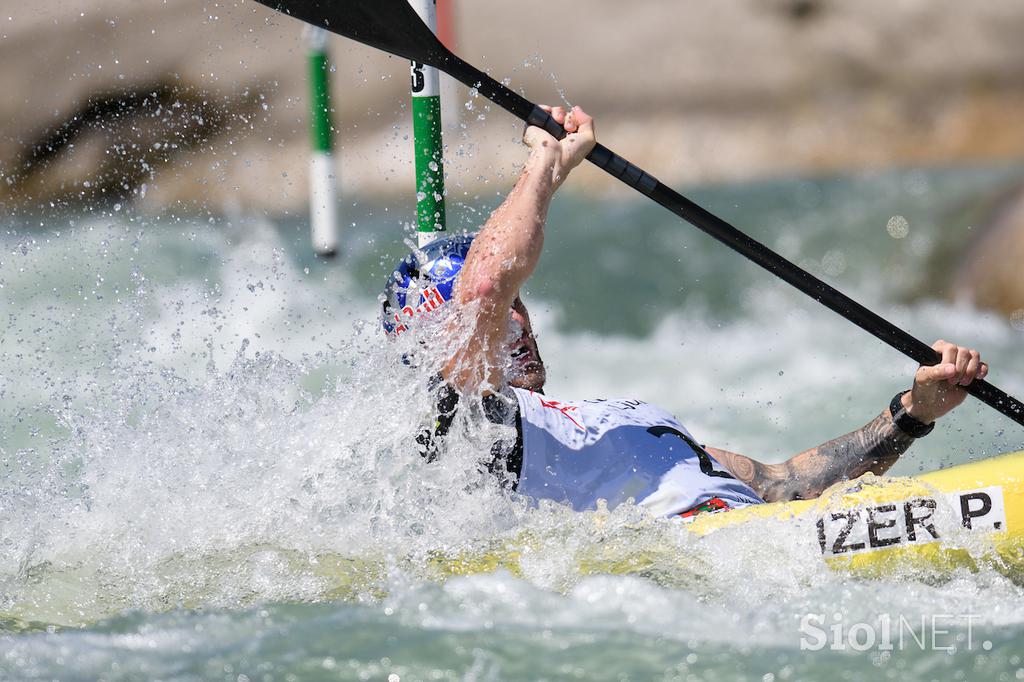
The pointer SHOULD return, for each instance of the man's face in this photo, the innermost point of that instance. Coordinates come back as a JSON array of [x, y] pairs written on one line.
[[527, 370]]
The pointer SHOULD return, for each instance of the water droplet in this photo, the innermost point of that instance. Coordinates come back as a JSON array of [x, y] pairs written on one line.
[[833, 263], [1017, 319], [897, 227]]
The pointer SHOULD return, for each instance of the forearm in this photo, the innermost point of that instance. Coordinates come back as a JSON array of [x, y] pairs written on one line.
[[874, 448], [501, 259], [877, 445], [506, 251]]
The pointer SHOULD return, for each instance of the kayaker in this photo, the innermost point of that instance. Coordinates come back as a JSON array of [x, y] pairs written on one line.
[[577, 452]]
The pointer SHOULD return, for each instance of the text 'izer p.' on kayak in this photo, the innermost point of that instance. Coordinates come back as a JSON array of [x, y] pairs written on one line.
[[945, 519]]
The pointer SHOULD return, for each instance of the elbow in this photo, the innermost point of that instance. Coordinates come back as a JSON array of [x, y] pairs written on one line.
[[483, 289], [486, 290], [784, 491]]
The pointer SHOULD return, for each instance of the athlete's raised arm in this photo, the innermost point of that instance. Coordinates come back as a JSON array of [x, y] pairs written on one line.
[[504, 254], [874, 447]]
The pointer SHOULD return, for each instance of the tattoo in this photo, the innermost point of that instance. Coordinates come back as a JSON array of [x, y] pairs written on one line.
[[874, 447]]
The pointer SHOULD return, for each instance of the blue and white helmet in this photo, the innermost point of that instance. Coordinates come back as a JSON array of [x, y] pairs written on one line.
[[423, 281]]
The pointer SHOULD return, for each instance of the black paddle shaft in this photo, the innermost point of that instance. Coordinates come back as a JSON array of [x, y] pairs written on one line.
[[394, 27]]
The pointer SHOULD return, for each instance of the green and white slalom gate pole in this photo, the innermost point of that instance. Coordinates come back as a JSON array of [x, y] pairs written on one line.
[[426, 128], [322, 183]]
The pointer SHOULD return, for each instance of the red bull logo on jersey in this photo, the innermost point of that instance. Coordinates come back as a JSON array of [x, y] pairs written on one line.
[[432, 300]]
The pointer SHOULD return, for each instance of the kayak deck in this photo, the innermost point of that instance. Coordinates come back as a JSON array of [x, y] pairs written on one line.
[[956, 517]]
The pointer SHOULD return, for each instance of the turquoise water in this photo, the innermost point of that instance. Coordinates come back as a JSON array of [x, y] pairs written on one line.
[[206, 469]]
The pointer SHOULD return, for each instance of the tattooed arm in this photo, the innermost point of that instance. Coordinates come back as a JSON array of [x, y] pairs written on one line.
[[874, 447]]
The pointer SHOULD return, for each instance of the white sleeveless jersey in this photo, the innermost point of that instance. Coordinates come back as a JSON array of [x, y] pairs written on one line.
[[579, 452]]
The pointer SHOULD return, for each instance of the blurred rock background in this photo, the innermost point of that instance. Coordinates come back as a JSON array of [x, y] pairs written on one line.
[[194, 105]]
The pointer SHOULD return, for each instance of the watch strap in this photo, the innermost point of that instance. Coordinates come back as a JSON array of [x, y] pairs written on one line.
[[905, 422]]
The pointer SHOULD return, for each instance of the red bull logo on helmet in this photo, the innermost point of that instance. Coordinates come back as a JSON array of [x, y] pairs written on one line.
[[432, 300], [426, 275]]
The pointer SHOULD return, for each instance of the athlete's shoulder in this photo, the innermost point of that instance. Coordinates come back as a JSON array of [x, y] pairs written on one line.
[[599, 413]]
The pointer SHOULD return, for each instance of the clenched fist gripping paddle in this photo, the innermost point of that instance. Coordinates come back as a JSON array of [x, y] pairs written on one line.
[[394, 27]]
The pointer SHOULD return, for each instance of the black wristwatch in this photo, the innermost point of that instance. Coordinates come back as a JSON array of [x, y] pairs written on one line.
[[915, 428]]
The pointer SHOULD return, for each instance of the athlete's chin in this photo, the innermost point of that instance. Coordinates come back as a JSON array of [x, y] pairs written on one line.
[[530, 377]]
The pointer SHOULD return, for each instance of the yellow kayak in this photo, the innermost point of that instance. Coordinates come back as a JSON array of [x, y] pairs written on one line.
[[941, 520], [968, 516]]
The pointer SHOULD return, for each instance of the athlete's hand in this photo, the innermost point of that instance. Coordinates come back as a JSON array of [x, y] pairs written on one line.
[[565, 154], [939, 388]]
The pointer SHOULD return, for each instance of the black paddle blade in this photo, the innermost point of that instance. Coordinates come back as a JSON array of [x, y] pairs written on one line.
[[394, 27], [389, 25]]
